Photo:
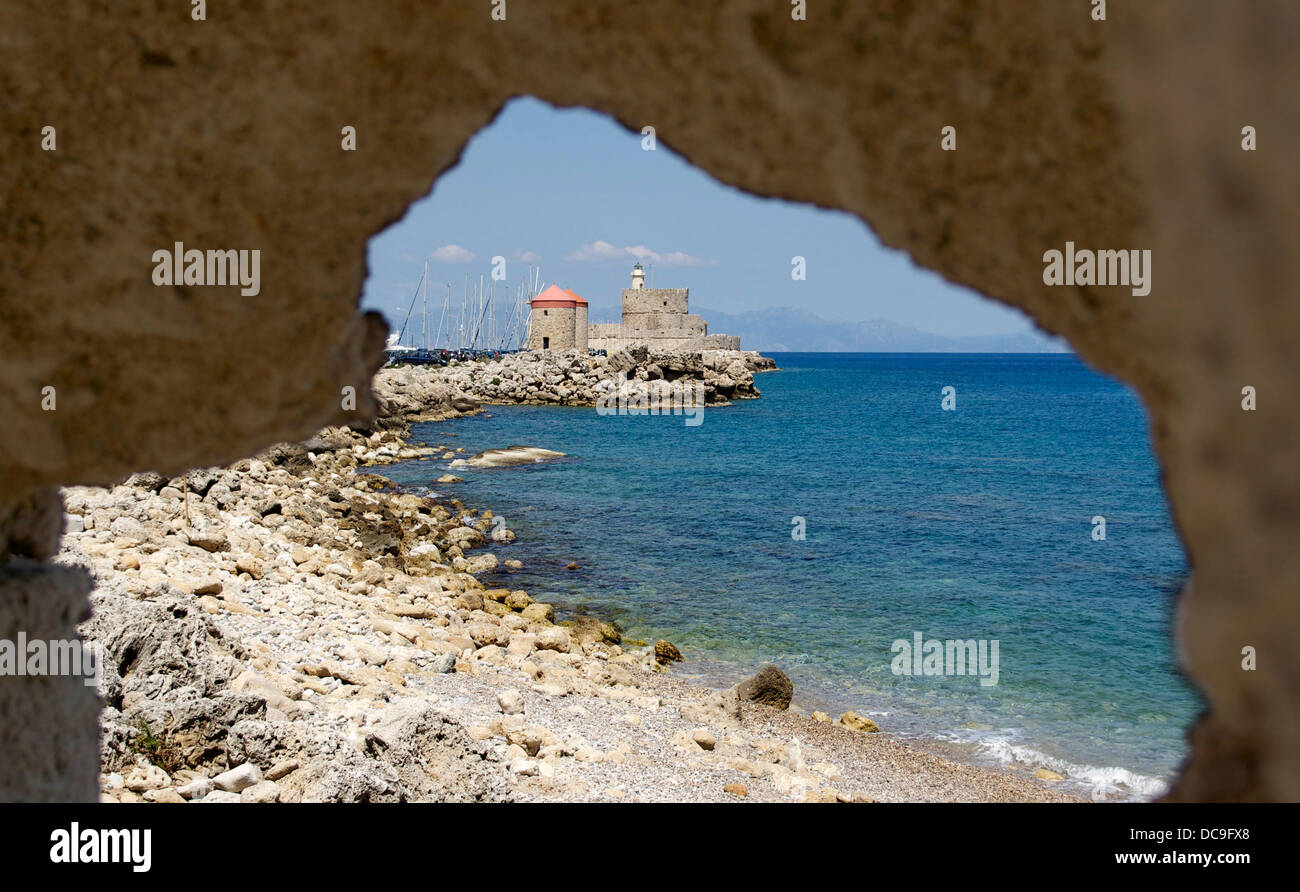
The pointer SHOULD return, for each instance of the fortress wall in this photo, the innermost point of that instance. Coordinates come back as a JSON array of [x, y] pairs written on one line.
[[653, 336], [711, 342], [650, 323], [663, 323], [654, 300], [641, 322]]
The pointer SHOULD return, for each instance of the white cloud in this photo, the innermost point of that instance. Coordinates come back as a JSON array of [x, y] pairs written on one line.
[[677, 258], [595, 252], [453, 254], [641, 252], [527, 256], [598, 251]]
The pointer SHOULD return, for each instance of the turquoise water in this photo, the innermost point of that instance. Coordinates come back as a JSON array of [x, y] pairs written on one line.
[[966, 524]]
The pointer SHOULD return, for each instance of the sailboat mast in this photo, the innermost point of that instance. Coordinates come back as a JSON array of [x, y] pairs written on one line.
[[442, 320], [426, 305], [460, 321]]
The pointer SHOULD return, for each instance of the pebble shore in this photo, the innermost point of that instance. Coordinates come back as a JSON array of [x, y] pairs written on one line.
[[294, 628]]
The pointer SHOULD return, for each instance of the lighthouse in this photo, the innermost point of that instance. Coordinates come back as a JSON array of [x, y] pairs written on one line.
[[638, 277]]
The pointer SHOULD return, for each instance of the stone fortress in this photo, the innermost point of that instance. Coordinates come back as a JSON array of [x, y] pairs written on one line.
[[658, 318]]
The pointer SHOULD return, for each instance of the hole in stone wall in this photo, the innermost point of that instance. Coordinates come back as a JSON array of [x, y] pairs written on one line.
[[924, 467]]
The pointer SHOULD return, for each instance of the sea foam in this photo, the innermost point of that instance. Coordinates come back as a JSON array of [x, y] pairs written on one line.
[[1101, 783]]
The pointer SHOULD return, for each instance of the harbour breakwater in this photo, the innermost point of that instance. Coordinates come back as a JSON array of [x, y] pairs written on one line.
[[573, 378], [294, 628]]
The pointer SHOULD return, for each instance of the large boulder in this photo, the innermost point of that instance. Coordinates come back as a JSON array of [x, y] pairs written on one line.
[[769, 686], [855, 722], [589, 630], [666, 652], [513, 455]]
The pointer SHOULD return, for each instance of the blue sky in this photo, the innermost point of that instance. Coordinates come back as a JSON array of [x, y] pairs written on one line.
[[571, 190]]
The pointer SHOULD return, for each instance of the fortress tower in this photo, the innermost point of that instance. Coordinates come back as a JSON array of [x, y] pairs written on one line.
[[659, 318], [559, 321]]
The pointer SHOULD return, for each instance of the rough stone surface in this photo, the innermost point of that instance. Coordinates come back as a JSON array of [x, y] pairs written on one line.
[[855, 722], [236, 780], [667, 652], [572, 378], [196, 789], [769, 686], [1116, 134], [511, 702]]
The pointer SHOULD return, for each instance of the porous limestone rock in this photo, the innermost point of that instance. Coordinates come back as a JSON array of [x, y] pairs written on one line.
[[1120, 134], [769, 686]]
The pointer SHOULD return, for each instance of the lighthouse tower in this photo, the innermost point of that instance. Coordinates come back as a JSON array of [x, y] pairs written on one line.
[[638, 277]]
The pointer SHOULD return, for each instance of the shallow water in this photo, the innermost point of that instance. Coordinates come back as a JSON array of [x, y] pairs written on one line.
[[966, 524]]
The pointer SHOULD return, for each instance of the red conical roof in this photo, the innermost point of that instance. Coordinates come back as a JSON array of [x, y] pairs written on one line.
[[553, 296]]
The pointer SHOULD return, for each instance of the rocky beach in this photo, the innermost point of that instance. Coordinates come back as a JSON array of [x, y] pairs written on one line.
[[294, 627]]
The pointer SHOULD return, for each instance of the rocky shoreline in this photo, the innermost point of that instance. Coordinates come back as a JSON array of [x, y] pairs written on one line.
[[294, 628], [572, 378]]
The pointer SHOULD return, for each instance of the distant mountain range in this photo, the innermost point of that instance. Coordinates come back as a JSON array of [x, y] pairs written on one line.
[[789, 330]]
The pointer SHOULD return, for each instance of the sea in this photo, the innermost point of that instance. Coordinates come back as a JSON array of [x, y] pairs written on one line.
[[846, 513]]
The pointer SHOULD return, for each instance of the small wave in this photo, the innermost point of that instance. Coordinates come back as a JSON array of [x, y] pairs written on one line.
[[1102, 783]]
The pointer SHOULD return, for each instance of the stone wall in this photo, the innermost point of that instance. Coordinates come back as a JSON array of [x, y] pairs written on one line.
[[226, 134], [655, 300], [685, 342], [668, 325], [580, 328], [552, 328]]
